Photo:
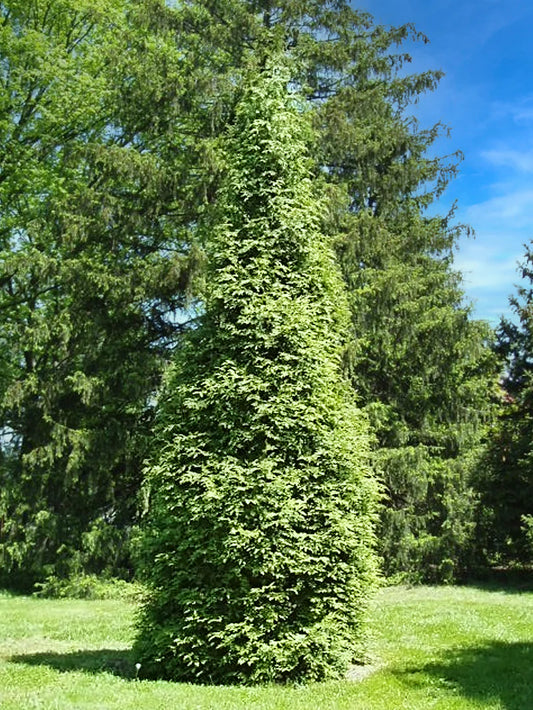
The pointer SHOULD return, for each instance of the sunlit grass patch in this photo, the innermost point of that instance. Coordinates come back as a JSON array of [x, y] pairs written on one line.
[[439, 648]]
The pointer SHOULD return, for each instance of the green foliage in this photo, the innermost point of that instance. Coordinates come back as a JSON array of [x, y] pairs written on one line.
[[422, 368], [527, 529], [258, 548], [419, 364], [92, 271], [88, 586], [111, 113], [506, 481], [425, 375]]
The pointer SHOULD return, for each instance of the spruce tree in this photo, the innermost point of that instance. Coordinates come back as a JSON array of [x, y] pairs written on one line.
[[505, 530], [258, 547], [91, 271], [426, 375]]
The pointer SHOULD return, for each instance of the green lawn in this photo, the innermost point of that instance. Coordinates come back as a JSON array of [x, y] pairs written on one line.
[[440, 648]]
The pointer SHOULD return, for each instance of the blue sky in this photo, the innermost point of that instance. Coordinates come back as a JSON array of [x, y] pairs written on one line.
[[485, 48]]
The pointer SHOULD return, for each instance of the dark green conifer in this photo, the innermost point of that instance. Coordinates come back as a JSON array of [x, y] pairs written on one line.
[[505, 531], [91, 272], [425, 374]]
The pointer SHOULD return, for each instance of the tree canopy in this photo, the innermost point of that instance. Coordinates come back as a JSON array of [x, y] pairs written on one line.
[[92, 270]]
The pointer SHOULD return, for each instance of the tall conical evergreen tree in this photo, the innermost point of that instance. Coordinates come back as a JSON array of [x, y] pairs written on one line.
[[259, 542]]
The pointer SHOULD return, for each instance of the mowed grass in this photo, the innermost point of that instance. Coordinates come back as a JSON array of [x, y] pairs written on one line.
[[442, 648]]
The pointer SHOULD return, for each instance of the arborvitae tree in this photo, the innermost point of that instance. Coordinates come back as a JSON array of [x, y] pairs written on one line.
[[258, 548], [505, 532]]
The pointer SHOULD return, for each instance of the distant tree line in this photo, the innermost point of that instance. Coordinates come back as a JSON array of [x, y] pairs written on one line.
[[119, 127]]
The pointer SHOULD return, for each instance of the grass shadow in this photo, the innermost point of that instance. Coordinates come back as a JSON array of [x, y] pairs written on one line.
[[497, 672], [509, 580], [104, 660]]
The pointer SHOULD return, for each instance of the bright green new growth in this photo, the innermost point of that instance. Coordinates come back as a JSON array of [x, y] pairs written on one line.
[[259, 542]]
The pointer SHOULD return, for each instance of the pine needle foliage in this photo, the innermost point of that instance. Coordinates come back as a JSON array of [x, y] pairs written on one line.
[[259, 544]]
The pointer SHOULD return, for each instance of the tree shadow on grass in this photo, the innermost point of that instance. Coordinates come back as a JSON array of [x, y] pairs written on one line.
[[497, 672], [510, 581], [103, 660]]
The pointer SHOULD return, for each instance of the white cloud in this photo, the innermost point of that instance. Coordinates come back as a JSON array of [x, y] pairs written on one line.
[[520, 110], [502, 225], [489, 278], [508, 158], [506, 214], [487, 270], [489, 263]]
